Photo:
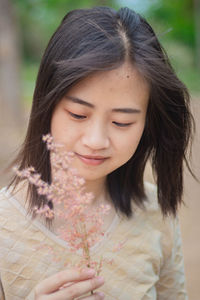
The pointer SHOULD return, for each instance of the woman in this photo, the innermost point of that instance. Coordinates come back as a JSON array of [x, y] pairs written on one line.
[[107, 92]]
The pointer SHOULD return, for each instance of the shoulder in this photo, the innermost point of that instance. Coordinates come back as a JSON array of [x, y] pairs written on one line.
[[149, 237], [152, 210], [13, 218], [153, 226], [150, 203], [5, 204], [151, 194], [12, 201], [9, 221], [3, 192], [8, 202]]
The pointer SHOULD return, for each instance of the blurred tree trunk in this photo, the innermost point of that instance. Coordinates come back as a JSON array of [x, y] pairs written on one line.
[[197, 30], [10, 61]]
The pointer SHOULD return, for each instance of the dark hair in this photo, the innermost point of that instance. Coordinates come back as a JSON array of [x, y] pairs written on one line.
[[89, 40]]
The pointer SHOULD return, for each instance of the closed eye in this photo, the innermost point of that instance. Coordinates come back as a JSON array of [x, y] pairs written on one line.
[[122, 124], [81, 117], [75, 116]]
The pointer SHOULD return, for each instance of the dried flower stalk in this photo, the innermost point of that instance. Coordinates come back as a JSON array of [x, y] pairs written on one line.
[[82, 225]]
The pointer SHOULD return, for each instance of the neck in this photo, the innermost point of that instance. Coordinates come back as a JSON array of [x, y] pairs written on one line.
[[98, 189]]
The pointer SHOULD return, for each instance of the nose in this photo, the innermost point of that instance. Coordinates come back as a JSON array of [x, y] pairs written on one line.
[[96, 136]]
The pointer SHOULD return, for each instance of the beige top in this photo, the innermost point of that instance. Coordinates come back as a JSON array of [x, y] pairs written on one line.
[[148, 267]]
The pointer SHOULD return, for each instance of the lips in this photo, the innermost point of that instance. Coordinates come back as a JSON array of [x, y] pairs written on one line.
[[91, 160], [92, 157]]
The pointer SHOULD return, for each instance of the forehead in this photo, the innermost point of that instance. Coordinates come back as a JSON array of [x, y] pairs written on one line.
[[124, 84]]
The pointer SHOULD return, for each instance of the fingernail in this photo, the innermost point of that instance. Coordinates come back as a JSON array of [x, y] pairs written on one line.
[[100, 280]]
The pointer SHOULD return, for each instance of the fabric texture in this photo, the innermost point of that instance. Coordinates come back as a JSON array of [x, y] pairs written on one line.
[[149, 265]]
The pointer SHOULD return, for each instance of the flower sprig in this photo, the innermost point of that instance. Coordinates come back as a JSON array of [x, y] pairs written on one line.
[[82, 225]]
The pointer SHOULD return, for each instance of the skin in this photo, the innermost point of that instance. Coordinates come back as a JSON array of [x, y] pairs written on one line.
[[81, 282], [96, 128]]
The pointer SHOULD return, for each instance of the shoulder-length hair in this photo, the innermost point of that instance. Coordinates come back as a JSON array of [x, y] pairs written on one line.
[[98, 39]]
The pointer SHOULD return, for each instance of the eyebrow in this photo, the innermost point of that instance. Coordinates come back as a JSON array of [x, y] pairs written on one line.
[[83, 102]]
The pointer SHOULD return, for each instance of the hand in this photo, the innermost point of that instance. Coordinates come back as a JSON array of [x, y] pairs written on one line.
[[69, 284]]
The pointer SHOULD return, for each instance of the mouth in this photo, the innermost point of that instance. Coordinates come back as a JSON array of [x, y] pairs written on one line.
[[91, 160]]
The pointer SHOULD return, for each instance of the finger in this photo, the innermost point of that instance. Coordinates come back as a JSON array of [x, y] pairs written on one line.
[[56, 281], [95, 296], [77, 289]]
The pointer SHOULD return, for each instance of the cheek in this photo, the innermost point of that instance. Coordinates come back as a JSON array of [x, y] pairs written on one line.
[[130, 143], [61, 131]]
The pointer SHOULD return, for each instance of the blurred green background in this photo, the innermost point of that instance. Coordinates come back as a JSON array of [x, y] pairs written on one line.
[[175, 22], [27, 25], [25, 28]]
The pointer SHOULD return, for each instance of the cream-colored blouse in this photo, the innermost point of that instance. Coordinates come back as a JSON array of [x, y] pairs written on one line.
[[149, 266]]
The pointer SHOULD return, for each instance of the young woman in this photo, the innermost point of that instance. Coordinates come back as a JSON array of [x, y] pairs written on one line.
[[107, 92]]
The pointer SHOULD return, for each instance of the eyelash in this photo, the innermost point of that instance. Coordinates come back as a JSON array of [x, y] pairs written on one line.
[[80, 117], [122, 124]]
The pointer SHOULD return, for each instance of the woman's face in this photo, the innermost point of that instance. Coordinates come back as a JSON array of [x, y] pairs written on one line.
[[101, 120]]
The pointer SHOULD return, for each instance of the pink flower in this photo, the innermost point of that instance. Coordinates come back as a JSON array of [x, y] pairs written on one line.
[[83, 225]]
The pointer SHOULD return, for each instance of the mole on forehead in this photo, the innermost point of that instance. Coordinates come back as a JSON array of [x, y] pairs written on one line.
[[125, 74]]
